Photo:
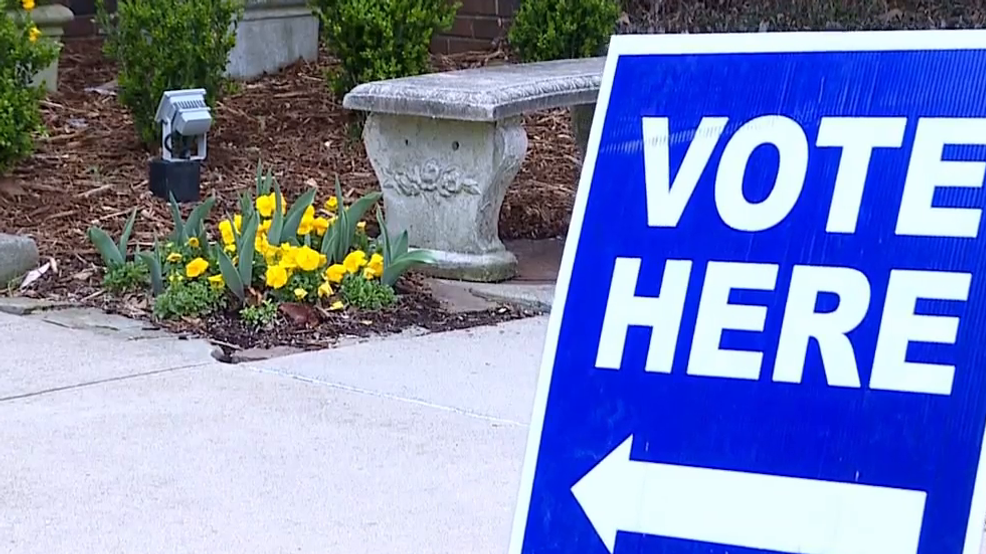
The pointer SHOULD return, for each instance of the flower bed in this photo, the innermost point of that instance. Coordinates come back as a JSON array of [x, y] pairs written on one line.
[[273, 258], [91, 170]]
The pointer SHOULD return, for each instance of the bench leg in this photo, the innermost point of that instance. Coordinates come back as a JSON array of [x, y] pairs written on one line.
[[444, 182]]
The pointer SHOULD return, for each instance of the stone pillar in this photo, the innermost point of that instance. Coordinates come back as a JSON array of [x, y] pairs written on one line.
[[51, 20], [273, 34], [444, 182]]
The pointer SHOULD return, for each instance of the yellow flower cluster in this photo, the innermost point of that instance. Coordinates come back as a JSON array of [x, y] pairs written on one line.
[[352, 264], [33, 34], [285, 260], [196, 267]]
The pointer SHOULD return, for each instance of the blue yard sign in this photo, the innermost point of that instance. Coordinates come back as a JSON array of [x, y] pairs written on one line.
[[769, 332]]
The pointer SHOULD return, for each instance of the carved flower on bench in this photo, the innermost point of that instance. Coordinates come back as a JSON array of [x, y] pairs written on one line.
[[430, 177]]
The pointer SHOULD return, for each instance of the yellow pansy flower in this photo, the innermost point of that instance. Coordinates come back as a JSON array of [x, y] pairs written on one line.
[[174, 257], [337, 305], [229, 249], [226, 230], [193, 242], [361, 225], [307, 221], [307, 258], [374, 268], [196, 267], [288, 260], [269, 253], [266, 204], [300, 293], [354, 261], [331, 204], [276, 276], [34, 34], [335, 273], [325, 289], [217, 280], [320, 225], [27, 4]]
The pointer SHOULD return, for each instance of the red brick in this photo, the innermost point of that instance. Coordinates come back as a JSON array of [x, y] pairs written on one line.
[[487, 27], [462, 27], [439, 45], [477, 7], [507, 8], [457, 45]]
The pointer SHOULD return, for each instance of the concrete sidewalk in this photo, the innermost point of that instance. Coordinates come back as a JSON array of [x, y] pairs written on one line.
[[395, 446]]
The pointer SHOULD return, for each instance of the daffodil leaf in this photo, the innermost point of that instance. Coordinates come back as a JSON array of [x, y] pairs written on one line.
[[354, 213], [384, 239], [230, 276], [193, 225], [418, 256], [327, 248], [258, 180], [343, 236], [404, 263], [401, 248], [246, 248], [246, 204], [179, 232], [106, 247], [277, 222], [153, 264], [292, 220], [264, 184], [128, 228]]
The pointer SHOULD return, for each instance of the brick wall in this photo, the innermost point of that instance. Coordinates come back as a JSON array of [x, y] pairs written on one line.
[[85, 11], [478, 26]]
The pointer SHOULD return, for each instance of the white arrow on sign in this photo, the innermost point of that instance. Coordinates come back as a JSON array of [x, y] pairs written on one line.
[[783, 514]]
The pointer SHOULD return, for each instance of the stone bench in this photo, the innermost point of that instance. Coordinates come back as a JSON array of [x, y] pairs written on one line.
[[445, 147]]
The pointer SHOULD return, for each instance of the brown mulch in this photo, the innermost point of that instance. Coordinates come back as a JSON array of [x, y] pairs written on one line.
[[92, 170]]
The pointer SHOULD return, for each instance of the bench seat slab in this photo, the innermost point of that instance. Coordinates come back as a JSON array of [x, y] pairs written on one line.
[[444, 182]]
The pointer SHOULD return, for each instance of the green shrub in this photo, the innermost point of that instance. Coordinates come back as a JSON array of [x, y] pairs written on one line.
[[380, 39], [366, 294], [561, 29], [163, 45], [260, 316], [131, 276], [189, 298], [23, 55]]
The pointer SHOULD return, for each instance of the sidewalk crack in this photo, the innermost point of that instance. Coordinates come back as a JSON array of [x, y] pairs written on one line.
[[98, 382]]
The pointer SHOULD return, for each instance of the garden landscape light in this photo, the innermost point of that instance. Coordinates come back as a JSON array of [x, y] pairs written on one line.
[[185, 120]]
